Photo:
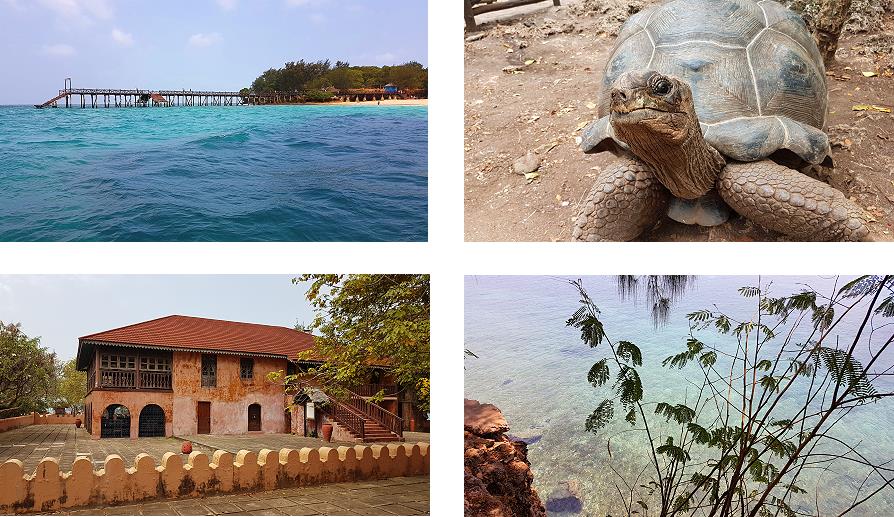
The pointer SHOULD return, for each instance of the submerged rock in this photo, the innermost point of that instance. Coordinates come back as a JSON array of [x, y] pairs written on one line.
[[497, 474], [528, 440], [565, 499]]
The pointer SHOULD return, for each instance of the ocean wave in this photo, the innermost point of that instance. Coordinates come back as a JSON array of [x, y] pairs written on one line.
[[212, 175]]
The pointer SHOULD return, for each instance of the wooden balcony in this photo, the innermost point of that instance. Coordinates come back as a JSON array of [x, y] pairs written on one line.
[[128, 379], [368, 390]]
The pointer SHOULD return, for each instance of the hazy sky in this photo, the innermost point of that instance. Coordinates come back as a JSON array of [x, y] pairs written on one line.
[[61, 308], [193, 44]]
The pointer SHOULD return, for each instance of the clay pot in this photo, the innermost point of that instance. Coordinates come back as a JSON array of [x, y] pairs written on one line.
[[186, 448], [327, 432], [78, 423]]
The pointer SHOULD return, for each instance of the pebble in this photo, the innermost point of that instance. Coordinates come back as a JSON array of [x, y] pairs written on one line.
[[527, 164]]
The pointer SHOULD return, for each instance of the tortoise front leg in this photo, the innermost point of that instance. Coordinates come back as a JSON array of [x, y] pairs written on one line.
[[789, 202], [626, 200]]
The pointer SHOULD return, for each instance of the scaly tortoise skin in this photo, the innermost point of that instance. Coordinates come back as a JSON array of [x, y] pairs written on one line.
[[714, 94]]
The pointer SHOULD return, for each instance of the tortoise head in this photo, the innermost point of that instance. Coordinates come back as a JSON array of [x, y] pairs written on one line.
[[647, 105], [655, 116]]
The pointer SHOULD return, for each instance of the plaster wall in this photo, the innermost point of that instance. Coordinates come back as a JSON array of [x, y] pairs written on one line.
[[134, 401], [50, 490], [230, 398]]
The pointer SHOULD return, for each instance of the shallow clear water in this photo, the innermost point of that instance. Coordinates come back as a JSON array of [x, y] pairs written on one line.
[[534, 368], [261, 173]]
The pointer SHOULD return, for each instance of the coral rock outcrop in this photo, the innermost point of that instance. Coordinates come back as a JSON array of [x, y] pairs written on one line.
[[498, 476]]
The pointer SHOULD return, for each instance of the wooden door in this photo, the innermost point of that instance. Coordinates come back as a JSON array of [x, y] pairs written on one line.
[[254, 417], [203, 417]]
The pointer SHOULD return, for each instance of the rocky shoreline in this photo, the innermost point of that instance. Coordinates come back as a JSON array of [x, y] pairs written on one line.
[[498, 477]]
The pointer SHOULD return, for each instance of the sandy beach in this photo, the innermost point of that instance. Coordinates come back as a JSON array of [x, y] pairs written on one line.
[[391, 102]]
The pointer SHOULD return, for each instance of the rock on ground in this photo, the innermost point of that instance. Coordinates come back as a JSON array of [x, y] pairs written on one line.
[[498, 476], [866, 15], [611, 14]]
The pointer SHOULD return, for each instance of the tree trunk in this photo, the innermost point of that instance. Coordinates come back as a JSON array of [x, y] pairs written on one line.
[[830, 20]]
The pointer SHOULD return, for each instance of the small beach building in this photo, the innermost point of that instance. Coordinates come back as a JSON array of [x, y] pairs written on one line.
[[390, 88], [182, 375]]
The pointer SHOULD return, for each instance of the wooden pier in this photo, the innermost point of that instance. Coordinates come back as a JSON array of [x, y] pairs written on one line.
[[109, 98]]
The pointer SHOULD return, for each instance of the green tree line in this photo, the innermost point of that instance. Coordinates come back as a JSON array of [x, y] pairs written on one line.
[[316, 76], [34, 379]]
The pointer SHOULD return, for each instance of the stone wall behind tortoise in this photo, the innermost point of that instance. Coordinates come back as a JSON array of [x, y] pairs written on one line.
[[49, 489]]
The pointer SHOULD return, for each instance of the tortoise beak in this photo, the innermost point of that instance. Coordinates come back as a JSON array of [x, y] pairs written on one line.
[[625, 100]]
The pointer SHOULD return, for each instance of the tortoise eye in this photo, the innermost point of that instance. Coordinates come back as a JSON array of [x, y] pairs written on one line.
[[661, 86]]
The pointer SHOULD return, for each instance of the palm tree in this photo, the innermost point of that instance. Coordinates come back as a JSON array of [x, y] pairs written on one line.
[[661, 292]]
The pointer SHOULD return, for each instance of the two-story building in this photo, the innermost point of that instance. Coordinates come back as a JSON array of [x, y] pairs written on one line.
[[181, 375]]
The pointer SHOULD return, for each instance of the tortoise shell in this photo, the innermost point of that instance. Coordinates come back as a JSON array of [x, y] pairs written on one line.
[[757, 78]]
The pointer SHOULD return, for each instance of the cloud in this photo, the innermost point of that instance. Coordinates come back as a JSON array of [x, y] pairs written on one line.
[[304, 3], [227, 5], [59, 50], [82, 12], [14, 4], [122, 38], [205, 40], [387, 58]]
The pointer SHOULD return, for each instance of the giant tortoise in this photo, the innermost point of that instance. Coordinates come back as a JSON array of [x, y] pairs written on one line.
[[709, 104]]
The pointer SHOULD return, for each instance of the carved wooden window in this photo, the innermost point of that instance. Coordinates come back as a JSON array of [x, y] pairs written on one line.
[[118, 362], [246, 369], [209, 371], [155, 364]]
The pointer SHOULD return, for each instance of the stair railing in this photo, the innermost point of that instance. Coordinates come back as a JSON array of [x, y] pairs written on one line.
[[389, 420], [343, 414]]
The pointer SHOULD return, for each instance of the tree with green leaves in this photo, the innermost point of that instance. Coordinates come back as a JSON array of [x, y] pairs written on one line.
[[303, 76], [71, 387], [364, 322], [28, 373], [767, 393]]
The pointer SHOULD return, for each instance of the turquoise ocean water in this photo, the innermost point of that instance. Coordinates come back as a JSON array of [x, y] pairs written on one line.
[[535, 369], [262, 173]]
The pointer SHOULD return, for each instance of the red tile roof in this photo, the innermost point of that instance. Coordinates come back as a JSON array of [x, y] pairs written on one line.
[[204, 334]]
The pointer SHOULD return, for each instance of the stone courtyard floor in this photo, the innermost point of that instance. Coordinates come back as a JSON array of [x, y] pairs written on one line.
[[66, 443], [395, 496]]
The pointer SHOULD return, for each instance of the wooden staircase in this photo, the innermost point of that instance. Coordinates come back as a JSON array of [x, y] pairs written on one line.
[[51, 101], [365, 421]]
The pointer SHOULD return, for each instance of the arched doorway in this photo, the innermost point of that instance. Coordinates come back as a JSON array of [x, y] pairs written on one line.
[[152, 421], [115, 422], [254, 417]]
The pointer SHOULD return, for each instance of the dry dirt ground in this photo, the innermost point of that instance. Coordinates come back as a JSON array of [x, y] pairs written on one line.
[[531, 86]]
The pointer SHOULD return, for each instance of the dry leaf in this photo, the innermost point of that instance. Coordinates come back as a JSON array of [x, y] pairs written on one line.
[[871, 107], [531, 176], [529, 62], [591, 105], [869, 74]]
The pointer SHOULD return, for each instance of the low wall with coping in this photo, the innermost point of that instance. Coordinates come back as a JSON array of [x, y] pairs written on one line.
[[49, 489], [16, 422]]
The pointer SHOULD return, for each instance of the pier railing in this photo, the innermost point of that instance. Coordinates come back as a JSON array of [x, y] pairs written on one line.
[[118, 98]]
